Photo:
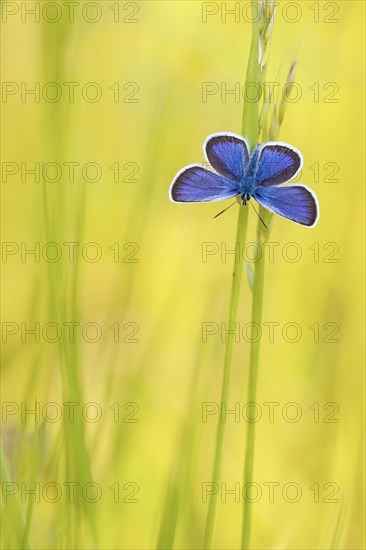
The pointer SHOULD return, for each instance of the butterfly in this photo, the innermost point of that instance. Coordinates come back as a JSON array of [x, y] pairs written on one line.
[[259, 174]]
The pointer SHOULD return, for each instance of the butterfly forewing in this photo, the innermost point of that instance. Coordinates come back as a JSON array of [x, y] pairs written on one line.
[[228, 154], [278, 162]]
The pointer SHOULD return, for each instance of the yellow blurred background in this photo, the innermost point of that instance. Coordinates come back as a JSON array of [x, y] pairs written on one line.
[[119, 106]]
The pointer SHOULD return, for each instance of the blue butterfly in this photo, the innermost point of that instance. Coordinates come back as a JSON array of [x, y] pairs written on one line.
[[256, 175]]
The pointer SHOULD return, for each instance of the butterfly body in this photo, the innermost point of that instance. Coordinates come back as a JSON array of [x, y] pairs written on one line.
[[259, 174], [248, 183]]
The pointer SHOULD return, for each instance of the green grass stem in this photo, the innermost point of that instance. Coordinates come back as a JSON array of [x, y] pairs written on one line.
[[234, 300], [252, 390], [250, 129]]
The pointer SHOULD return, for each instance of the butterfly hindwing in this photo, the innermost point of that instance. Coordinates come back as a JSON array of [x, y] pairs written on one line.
[[296, 202], [228, 154], [277, 163], [196, 184]]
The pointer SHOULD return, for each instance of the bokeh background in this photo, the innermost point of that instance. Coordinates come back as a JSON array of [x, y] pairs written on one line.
[[139, 387]]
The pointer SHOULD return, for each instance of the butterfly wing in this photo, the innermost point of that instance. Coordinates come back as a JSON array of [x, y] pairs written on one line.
[[196, 184], [296, 202], [228, 154], [277, 163]]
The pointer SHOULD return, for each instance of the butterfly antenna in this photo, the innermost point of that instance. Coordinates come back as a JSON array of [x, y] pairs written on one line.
[[256, 211], [227, 208]]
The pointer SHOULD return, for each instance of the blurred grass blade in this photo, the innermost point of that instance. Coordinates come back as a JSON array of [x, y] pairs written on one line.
[[250, 274], [33, 478], [11, 516]]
